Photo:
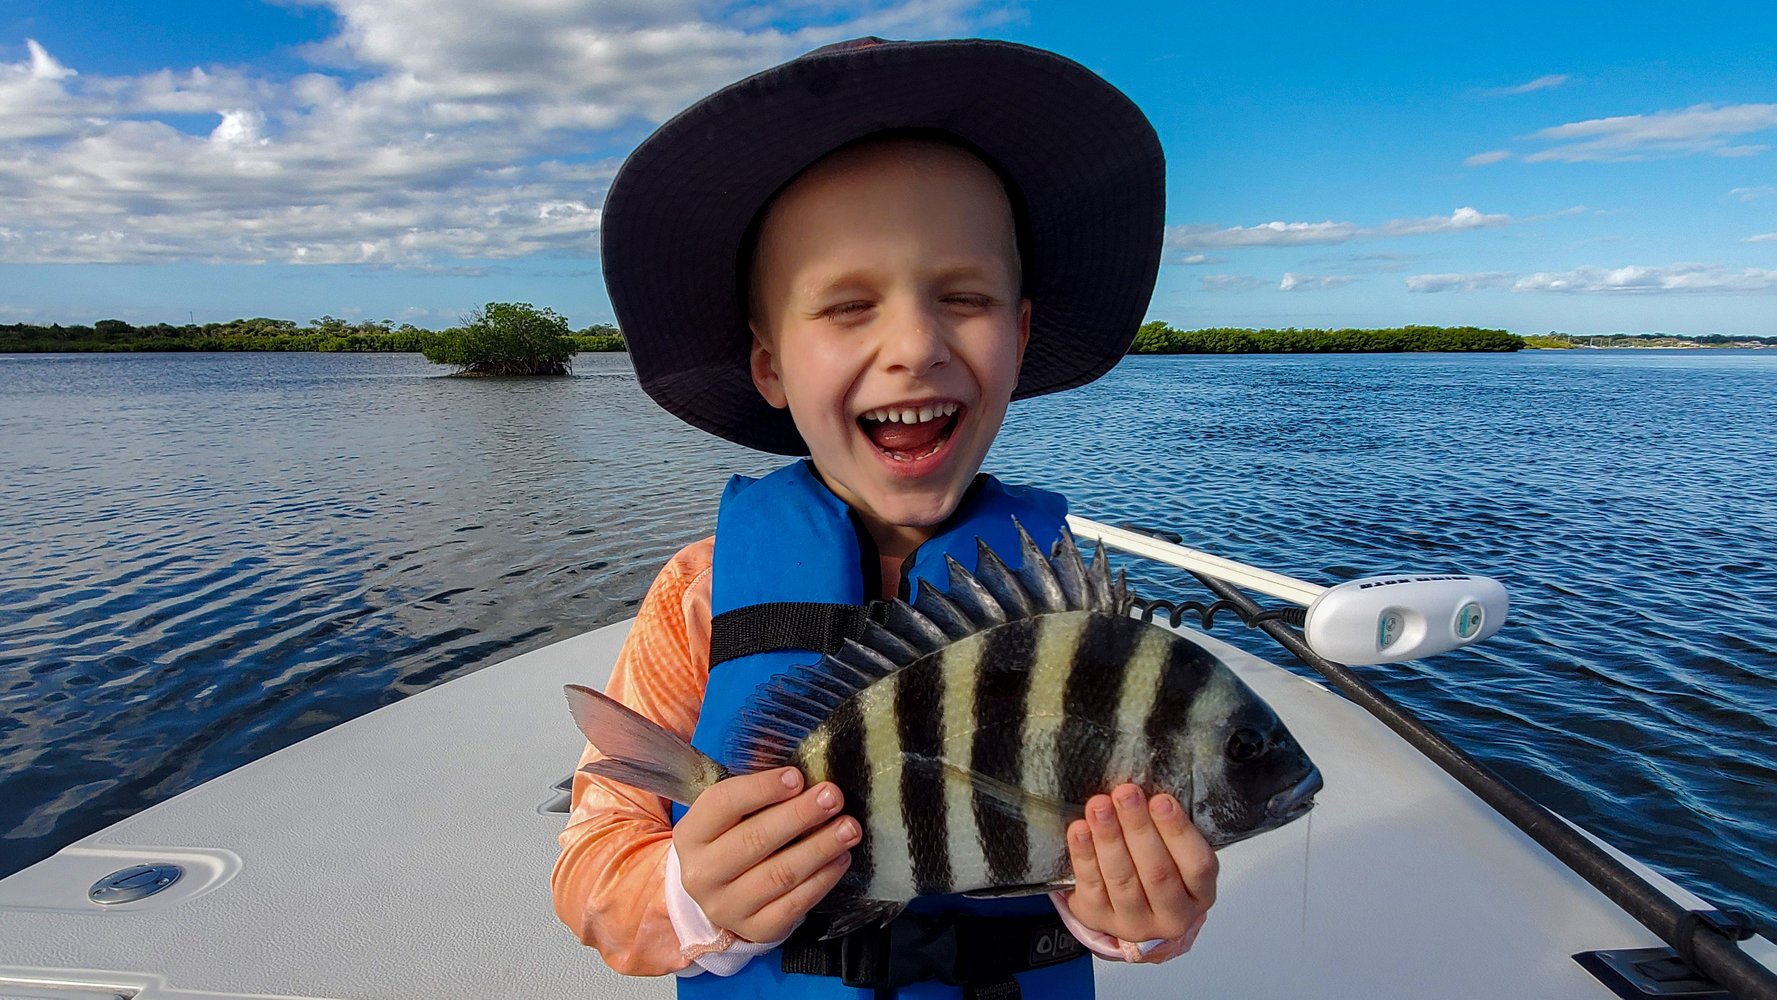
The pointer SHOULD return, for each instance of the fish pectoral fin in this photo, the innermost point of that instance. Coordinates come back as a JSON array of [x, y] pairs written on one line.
[[1017, 804], [1003, 891], [862, 913]]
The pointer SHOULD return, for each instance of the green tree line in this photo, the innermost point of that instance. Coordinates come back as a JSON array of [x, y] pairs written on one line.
[[327, 333], [1158, 338]]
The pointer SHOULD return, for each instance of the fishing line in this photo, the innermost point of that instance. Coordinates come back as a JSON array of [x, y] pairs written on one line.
[[1307, 850]]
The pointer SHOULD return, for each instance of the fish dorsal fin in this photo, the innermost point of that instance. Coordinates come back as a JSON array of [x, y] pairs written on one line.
[[780, 714]]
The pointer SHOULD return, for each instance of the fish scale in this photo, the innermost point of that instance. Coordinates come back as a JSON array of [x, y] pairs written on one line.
[[967, 730]]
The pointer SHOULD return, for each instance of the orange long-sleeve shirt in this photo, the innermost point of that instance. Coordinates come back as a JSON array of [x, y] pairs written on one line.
[[608, 881]]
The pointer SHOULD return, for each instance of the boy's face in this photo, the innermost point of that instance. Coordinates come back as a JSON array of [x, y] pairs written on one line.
[[886, 285]]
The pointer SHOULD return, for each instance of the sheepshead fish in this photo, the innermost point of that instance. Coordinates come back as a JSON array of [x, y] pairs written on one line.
[[968, 729]]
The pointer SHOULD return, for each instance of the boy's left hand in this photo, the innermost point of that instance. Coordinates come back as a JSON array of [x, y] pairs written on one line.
[[1141, 870]]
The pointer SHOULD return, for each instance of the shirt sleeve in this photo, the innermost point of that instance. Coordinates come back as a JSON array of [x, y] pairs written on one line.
[[608, 883]]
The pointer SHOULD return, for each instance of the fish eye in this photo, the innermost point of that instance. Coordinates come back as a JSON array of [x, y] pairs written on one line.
[[1245, 745]]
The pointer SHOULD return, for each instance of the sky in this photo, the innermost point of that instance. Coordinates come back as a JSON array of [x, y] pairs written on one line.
[[1583, 167]]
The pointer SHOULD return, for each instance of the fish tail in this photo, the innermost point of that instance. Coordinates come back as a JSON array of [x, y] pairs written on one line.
[[638, 752]]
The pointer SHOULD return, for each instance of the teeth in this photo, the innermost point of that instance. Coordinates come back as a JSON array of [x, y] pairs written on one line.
[[909, 415]]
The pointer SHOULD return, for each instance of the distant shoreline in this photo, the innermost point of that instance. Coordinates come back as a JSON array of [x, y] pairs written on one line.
[[331, 335]]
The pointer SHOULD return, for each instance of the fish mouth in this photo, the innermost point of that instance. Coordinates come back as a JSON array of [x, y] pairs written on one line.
[[1294, 802]]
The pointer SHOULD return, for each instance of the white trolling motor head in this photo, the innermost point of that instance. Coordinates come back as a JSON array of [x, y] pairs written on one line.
[[1403, 616]]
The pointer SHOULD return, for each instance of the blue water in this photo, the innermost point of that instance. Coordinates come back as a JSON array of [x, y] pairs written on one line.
[[204, 558]]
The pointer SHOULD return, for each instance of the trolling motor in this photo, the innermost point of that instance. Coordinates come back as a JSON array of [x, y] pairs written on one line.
[[1378, 619]]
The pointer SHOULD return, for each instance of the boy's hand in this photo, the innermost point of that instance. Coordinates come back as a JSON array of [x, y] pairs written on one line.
[[756, 851], [1141, 870]]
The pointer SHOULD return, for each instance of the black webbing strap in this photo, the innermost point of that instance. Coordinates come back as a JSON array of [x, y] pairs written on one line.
[[767, 628], [980, 954]]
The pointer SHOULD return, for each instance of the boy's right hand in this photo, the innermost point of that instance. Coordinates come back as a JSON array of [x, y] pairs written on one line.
[[757, 851]]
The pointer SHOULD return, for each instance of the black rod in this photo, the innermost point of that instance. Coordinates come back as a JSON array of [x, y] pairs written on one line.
[[1716, 956]]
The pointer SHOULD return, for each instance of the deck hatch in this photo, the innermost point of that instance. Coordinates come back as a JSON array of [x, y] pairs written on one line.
[[133, 883]]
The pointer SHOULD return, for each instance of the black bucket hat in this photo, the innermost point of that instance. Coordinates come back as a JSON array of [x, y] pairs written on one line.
[[1085, 163]]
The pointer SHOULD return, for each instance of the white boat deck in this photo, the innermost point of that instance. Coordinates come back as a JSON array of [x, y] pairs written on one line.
[[407, 853]]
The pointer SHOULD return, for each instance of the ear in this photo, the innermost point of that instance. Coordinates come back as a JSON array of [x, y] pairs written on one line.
[[766, 377], [1023, 331]]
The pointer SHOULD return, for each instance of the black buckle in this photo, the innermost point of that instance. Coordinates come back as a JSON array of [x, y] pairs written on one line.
[[910, 949]]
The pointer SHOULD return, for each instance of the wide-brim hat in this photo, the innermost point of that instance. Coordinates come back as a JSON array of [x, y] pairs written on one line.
[[1087, 167]]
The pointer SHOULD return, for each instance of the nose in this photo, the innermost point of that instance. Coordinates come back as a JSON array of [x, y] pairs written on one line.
[[916, 344]]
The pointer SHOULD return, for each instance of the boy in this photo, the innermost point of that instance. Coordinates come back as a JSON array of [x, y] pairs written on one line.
[[913, 234]]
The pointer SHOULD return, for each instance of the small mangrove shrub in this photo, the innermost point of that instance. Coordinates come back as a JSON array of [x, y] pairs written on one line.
[[505, 338]]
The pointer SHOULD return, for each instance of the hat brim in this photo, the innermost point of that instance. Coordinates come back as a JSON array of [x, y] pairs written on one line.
[[1086, 161]]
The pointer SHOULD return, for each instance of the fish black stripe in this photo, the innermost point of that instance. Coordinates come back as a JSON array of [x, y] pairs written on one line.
[[919, 718], [849, 768], [1089, 707], [998, 750], [1187, 669]]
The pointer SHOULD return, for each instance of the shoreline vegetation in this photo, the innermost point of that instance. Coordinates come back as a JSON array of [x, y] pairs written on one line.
[[448, 346]]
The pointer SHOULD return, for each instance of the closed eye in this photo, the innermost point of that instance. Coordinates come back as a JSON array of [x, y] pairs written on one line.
[[845, 310], [970, 301]]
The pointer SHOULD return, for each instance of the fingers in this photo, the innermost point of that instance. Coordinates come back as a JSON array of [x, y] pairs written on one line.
[[1141, 870], [1193, 857], [1089, 891], [754, 837], [784, 886], [1157, 872], [730, 800], [1122, 881]]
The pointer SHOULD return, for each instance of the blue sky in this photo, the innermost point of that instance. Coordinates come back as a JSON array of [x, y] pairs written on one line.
[[1583, 167]]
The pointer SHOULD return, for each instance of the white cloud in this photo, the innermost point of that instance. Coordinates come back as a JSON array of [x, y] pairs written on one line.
[[1700, 129], [1640, 280], [1762, 238], [429, 130], [1231, 283], [1293, 282], [1470, 282], [1309, 233], [1632, 279], [1483, 159], [1753, 193], [1540, 83]]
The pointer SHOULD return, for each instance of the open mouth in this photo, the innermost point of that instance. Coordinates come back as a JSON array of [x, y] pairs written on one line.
[[910, 433]]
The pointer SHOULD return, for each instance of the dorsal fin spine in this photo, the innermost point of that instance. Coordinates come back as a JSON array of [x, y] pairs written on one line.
[[999, 581], [1037, 576]]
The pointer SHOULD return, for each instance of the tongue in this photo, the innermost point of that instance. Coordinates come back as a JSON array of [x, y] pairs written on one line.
[[907, 437]]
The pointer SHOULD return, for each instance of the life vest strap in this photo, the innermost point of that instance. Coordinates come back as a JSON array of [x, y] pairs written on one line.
[[980, 954], [779, 625]]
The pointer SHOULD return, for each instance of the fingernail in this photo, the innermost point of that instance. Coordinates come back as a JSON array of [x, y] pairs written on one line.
[[848, 832], [791, 777], [828, 798], [1129, 795], [1164, 805], [1101, 811]]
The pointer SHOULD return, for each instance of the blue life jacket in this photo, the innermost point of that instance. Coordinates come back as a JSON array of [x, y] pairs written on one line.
[[788, 538]]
